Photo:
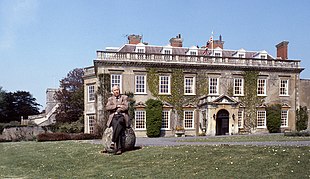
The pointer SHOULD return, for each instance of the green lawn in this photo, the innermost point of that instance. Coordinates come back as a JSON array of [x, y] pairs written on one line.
[[80, 159]]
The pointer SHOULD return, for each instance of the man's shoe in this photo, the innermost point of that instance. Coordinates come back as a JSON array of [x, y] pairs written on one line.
[[119, 152]]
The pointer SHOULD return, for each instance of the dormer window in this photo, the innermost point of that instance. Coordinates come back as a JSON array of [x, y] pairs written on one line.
[[192, 51], [262, 55], [240, 53], [218, 52], [167, 51], [140, 50]]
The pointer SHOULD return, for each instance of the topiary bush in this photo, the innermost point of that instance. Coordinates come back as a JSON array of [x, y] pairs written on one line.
[[273, 118], [153, 117], [301, 118]]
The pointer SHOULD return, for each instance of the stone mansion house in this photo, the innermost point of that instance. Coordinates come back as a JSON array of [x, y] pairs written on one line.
[[208, 89]]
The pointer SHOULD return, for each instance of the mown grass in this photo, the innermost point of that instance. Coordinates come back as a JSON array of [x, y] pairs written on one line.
[[248, 138], [80, 159]]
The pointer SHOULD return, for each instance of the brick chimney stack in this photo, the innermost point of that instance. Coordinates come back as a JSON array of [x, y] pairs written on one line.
[[176, 41], [282, 50], [218, 43], [134, 39]]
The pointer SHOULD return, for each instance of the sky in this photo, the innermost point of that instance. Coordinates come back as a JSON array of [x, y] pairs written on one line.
[[42, 40]]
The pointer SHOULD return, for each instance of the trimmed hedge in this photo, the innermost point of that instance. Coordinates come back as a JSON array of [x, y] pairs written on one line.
[[153, 117], [274, 118], [301, 118], [64, 136]]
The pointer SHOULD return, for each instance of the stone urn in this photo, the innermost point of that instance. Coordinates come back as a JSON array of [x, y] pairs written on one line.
[[129, 139]]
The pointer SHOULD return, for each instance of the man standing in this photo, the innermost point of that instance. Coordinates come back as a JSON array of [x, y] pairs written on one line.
[[118, 107]]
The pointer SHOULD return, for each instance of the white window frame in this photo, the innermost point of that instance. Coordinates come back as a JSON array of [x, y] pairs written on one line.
[[141, 51], [240, 87], [162, 85], [140, 85], [90, 93], [261, 118], [91, 123], [264, 87], [191, 87], [240, 118], [212, 85], [193, 53], [166, 113], [284, 118], [188, 120], [167, 53], [241, 55], [141, 119], [115, 83], [217, 52], [283, 88]]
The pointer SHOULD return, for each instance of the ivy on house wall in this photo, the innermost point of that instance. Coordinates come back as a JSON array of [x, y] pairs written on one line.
[[177, 98], [103, 93], [250, 99]]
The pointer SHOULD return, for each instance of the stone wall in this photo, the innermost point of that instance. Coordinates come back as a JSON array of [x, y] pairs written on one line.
[[21, 133]]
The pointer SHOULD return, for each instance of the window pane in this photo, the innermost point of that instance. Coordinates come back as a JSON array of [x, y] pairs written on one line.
[[140, 84], [116, 80], [165, 120], [91, 123], [189, 85], [189, 119], [261, 118], [261, 87], [238, 86], [284, 87], [213, 85], [240, 119], [140, 119], [284, 118], [91, 93], [164, 87]]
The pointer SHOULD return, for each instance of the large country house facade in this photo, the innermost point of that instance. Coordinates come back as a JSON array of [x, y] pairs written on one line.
[[207, 90]]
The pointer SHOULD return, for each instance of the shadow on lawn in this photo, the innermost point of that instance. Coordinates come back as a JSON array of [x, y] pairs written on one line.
[[112, 151]]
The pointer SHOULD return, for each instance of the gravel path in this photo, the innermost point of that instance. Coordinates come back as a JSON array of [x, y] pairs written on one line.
[[175, 141]]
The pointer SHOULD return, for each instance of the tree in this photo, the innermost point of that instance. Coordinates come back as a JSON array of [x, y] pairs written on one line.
[[17, 104], [2, 104], [71, 97]]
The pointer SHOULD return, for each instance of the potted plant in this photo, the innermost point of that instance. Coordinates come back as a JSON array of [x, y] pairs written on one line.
[[179, 131]]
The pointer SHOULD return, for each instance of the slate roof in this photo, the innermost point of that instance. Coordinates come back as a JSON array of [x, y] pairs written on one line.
[[152, 49]]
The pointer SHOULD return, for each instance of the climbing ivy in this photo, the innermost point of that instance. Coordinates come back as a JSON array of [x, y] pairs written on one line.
[[104, 91], [177, 98], [250, 99]]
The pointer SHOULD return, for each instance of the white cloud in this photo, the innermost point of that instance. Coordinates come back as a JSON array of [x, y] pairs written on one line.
[[15, 15]]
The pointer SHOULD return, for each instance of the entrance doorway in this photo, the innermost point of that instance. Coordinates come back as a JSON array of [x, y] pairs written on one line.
[[222, 122]]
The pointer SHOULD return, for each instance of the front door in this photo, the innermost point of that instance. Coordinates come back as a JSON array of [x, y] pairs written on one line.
[[222, 122]]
